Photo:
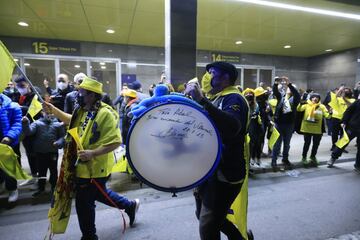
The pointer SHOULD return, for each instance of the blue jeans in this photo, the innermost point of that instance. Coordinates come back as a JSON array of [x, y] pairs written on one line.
[[86, 194], [286, 131]]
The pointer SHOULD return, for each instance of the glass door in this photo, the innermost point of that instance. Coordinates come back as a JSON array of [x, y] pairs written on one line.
[[72, 67], [39, 69], [105, 72]]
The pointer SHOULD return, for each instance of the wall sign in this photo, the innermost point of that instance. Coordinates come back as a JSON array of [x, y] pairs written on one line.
[[227, 57], [53, 47]]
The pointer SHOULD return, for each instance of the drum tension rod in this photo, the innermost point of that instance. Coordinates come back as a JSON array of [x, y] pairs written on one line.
[[174, 194]]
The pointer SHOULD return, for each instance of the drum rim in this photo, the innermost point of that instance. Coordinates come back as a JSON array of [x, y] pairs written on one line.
[[193, 185]]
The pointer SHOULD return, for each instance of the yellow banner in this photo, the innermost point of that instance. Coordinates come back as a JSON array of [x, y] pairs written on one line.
[[273, 138], [35, 107], [238, 210], [6, 67], [343, 140], [9, 163], [121, 165]]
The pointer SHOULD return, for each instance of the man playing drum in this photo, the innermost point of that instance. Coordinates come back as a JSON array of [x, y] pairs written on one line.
[[230, 113]]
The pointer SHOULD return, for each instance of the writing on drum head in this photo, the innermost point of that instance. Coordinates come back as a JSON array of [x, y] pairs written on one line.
[[180, 124]]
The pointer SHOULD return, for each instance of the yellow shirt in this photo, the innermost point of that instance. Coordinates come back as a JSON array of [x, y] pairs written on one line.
[[101, 131], [313, 126], [339, 105]]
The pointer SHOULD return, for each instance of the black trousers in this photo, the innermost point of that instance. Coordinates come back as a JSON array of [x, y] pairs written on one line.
[[336, 130], [336, 153], [316, 138], [47, 161], [213, 201], [31, 156]]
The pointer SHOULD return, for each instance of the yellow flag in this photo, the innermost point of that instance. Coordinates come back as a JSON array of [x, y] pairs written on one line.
[[9, 163], [121, 165], [343, 140], [35, 107], [73, 132], [273, 138], [238, 210], [7, 65]]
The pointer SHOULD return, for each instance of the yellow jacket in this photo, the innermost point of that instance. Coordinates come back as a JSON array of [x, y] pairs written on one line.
[[339, 105], [313, 117], [101, 131]]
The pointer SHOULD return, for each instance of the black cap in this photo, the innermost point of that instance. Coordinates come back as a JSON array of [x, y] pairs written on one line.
[[315, 95], [136, 85], [20, 79], [225, 67]]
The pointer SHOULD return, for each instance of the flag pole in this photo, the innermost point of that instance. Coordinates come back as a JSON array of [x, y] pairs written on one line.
[[31, 85]]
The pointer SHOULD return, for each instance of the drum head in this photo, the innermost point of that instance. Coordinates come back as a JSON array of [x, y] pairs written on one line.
[[173, 147]]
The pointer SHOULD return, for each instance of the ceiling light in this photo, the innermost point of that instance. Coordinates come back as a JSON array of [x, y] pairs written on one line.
[[77, 66], [132, 65], [110, 50], [110, 31], [287, 46], [102, 63], [90, 67], [103, 67], [303, 9], [328, 50], [238, 42], [16, 60], [23, 24], [26, 64]]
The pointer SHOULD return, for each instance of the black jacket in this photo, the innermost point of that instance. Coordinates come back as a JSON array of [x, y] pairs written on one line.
[[70, 101], [230, 114], [352, 117], [58, 97], [280, 116]]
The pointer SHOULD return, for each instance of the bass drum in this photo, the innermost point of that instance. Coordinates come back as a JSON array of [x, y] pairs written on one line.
[[173, 146]]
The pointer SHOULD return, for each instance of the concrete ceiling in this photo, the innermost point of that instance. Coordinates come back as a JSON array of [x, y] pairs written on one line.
[[263, 30]]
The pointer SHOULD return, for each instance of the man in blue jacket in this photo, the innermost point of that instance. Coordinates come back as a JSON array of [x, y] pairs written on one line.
[[10, 122]]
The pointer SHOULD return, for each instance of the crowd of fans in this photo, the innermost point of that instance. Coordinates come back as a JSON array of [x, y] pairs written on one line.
[[283, 107]]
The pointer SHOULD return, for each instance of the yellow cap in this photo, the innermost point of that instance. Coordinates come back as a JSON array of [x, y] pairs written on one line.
[[248, 90], [259, 91], [91, 85], [130, 93]]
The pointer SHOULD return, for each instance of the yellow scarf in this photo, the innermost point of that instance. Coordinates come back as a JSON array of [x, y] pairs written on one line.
[[313, 107]]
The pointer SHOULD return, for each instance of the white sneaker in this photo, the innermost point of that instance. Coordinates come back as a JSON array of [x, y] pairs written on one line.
[[28, 182], [13, 196]]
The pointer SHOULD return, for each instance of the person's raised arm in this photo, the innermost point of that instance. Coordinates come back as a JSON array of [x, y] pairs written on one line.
[[51, 109]]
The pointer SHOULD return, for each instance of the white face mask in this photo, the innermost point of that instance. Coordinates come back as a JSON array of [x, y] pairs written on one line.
[[23, 91], [62, 85]]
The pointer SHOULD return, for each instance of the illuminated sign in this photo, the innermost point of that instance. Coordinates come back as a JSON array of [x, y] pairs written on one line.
[[51, 47], [226, 57]]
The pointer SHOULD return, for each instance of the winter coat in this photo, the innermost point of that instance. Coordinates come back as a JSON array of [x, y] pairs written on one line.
[[352, 117], [10, 119], [58, 97], [45, 132]]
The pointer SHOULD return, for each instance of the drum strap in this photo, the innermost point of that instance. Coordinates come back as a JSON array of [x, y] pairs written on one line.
[[98, 186]]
